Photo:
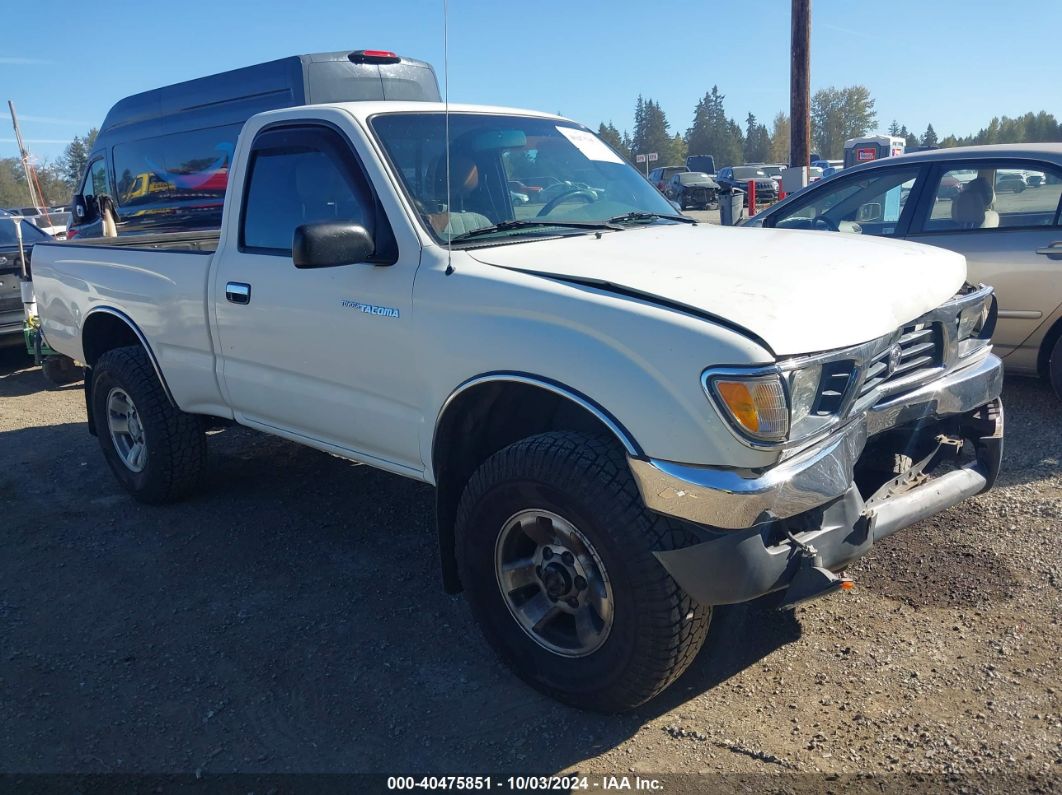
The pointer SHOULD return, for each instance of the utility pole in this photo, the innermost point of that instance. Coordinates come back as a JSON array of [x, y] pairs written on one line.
[[800, 86], [35, 200]]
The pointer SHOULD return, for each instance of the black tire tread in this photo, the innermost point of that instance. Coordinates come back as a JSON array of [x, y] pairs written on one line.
[[178, 454], [675, 625], [1054, 367]]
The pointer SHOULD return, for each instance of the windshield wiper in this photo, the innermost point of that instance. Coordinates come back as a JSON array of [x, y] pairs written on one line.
[[638, 215], [506, 226]]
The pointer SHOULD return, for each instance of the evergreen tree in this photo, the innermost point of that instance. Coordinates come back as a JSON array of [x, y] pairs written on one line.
[[610, 135], [712, 133], [929, 137], [894, 128]]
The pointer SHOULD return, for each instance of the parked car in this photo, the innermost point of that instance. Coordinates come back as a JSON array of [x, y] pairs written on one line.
[[1011, 240], [661, 176], [1014, 181], [690, 189], [628, 416], [53, 222], [12, 313], [740, 176]]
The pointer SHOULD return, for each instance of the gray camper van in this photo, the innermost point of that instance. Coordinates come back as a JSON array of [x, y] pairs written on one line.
[[162, 157]]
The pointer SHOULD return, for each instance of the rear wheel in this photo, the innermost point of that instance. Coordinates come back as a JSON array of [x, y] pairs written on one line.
[[157, 451], [555, 554]]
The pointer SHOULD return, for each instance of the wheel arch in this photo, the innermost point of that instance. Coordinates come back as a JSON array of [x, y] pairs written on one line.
[[490, 412], [104, 329], [1043, 357]]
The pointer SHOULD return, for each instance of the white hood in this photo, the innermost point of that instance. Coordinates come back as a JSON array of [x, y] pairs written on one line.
[[800, 292]]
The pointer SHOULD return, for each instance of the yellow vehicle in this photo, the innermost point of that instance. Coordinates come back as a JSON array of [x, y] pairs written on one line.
[[144, 185]]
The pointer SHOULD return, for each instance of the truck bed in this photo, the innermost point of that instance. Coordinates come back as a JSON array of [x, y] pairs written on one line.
[[196, 242]]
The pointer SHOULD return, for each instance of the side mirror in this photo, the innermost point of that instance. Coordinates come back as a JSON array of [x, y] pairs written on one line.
[[326, 244], [86, 208]]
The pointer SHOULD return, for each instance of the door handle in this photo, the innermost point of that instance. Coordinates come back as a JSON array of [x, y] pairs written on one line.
[[238, 293], [1053, 251]]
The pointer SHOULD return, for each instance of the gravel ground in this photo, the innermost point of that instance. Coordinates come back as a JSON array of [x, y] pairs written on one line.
[[290, 619]]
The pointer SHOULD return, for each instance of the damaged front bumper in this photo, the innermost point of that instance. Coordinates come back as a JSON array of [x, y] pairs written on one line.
[[766, 530]]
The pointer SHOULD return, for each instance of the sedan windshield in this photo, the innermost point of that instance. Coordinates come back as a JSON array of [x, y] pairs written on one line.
[[553, 177]]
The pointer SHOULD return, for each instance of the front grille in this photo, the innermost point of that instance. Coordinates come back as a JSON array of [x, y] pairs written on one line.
[[920, 347]]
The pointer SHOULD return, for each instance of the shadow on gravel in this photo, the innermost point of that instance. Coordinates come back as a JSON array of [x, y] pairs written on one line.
[[1032, 448], [19, 376], [290, 618], [907, 568]]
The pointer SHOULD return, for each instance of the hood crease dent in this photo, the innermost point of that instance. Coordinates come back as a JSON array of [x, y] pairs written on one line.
[[796, 292]]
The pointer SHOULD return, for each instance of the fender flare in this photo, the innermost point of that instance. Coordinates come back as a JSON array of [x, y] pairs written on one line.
[[109, 310]]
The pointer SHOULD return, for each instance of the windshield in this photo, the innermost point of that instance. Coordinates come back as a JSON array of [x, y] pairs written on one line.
[[30, 233], [693, 177], [772, 171], [748, 172], [511, 168]]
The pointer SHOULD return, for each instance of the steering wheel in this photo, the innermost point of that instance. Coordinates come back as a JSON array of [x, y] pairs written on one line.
[[575, 193], [824, 224]]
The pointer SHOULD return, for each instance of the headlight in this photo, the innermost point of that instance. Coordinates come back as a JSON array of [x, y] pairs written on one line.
[[771, 406], [755, 405]]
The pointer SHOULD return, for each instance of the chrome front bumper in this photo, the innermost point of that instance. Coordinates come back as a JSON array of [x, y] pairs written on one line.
[[744, 557], [735, 500]]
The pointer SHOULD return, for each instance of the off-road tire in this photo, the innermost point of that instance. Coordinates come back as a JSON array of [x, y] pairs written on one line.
[[657, 628], [175, 441], [1054, 367]]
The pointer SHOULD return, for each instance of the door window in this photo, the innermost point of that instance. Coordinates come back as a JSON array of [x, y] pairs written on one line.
[[298, 177], [96, 180], [995, 197], [871, 204]]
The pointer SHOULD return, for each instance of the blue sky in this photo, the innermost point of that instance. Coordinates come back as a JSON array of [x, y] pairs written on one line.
[[954, 63]]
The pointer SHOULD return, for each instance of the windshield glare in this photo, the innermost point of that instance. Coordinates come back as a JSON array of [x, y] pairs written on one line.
[[748, 173], [510, 168]]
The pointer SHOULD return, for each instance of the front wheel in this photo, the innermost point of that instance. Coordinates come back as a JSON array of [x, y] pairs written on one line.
[[1054, 367], [155, 450], [555, 554]]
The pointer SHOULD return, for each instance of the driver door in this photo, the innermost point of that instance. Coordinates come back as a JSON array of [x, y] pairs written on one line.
[[322, 354]]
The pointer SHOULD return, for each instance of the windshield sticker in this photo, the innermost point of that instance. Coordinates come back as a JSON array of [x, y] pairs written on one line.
[[589, 144], [369, 309]]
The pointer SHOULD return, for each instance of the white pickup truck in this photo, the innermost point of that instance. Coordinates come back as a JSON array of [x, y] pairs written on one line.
[[628, 417]]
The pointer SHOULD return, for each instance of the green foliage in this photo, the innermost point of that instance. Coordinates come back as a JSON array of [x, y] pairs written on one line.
[[838, 114], [651, 134], [13, 190], [929, 137], [779, 151], [75, 157], [712, 133], [757, 147]]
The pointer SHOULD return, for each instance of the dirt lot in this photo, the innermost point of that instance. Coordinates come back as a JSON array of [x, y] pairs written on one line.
[[290, 619]]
